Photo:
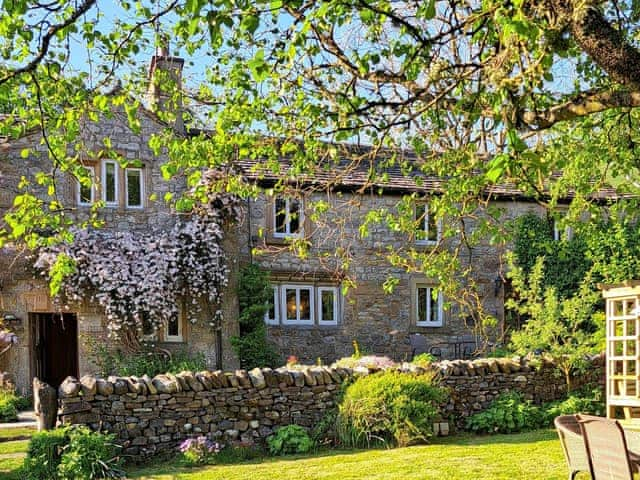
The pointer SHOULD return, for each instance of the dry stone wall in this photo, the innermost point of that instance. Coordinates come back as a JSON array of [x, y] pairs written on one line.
[[152, 415]]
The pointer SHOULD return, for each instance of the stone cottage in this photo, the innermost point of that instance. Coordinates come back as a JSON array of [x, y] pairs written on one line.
[[312, 316]]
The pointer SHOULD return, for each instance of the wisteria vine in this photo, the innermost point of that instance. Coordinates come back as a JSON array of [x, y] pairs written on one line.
[[139, 279]]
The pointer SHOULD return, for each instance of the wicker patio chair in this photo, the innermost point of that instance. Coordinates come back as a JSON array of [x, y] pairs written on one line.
[[572, 444], [606, 448]]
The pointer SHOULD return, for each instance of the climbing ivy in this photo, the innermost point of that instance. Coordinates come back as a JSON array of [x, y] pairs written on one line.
[[255, 297]]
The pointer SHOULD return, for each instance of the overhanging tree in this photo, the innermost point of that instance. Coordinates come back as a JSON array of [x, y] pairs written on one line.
[[481, 92]]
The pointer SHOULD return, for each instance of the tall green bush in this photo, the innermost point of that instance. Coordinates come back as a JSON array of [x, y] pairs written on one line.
[[389, 407], [44, 454], [72, 453], [90, 455], [255, 297], [555, 283]]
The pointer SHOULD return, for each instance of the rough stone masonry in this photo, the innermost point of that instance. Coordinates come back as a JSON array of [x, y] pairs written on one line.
[[153, 415]]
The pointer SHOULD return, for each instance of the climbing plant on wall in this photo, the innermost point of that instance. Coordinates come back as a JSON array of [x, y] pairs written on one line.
[[255, 297], [139, 278]]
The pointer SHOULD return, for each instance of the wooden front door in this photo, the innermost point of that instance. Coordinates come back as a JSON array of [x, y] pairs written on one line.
[[54, 346]]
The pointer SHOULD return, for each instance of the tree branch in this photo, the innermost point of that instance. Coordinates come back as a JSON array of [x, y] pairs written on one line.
[[584, 104], [44, 45]]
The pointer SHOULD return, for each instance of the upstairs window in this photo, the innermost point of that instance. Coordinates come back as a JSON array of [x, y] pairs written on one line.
[[110, 182], [560, 233], [428, 229], [86, 193], [134, 187], [116, 186], [288, 217]]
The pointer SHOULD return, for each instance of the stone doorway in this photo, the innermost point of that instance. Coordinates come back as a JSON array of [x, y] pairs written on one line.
[[54, 346]]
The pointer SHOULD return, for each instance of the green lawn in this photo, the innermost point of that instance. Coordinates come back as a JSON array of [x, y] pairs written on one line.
[[533, 455], [530, 456], [16, 433]]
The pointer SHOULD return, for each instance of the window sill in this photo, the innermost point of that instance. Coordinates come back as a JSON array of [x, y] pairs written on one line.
[[304, 327]]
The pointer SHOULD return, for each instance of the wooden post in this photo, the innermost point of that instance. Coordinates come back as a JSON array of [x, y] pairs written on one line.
[[45, 404]]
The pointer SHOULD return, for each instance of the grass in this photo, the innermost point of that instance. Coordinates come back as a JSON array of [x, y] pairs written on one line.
[[16, 433], [531, 455]]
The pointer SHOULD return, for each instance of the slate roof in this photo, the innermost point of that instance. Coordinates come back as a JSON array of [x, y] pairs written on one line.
[[376, 174]]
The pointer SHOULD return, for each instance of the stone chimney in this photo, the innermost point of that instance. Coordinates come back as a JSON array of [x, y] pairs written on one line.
[[166, 71]]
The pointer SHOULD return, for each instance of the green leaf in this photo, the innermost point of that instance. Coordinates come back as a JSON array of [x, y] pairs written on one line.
[[258, 67]]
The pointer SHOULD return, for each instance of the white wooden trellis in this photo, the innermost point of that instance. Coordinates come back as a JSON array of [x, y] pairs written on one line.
[[623, 349]]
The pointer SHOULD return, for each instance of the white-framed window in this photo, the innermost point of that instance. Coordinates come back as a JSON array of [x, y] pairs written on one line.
[[288, 217], [327, 305], [298, 305], [271, 316], [428, 229], [110, 182], [305, 304], [173, 329], [428, 306], [86, 193], [134, 187], [560, 233]]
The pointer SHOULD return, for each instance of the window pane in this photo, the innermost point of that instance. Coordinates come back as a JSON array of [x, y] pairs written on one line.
[[294, 216], [272, 305], [86, 191], [305, 305], [134, 188], [422, 299], [421, 221], [434, 306], [327, 305], [281, 215], [431, 227], [110, 182], [173, 327], [291, 304]]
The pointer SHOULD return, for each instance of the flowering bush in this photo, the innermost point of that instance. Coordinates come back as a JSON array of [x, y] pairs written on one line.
[[373, 362], [200, 450], [139, 278]]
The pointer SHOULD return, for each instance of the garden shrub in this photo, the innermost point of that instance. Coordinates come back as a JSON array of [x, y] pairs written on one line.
[[374, 362], [389, 407], [324, 431], [508, 413], [9, 402], [90, 455], [71, 453], [44, 454], [290, 439], [147, 361], [590, 403], [423, 360]]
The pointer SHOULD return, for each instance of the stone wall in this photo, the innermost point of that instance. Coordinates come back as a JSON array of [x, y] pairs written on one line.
[[150, 416], [381, 322], [473, 385]]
